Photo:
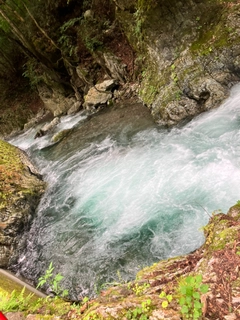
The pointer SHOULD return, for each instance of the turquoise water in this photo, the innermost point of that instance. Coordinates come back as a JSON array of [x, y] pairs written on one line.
[[128, 200]]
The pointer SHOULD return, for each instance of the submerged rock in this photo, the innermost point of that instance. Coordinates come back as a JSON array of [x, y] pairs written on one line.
[[21, 187], [61, 135]]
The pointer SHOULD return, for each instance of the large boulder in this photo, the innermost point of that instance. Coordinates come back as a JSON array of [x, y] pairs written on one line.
[[21, 187]]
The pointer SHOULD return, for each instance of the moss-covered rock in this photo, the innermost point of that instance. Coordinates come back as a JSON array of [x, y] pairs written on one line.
[[189, 52], [20, 190]]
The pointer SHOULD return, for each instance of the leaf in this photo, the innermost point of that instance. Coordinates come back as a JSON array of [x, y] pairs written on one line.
[[169, 297], [65, 293], [58, 277], [198, 278], [183, 289], [204, 288], [196, 315], [165, 304], [184, 309], [197, 305], [189, 300], [196, 295], [162, 294], [182, 301], [189, 290], [189, 280]]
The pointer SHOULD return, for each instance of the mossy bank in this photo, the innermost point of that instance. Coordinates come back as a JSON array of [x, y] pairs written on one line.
[[20, 190]]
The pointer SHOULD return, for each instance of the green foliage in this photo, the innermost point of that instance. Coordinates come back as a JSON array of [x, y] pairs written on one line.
[[92, 44], [167, 298], [70, 23], [143, 6], [67, 40], [15, 301], [31, 72], [178, 94], [52, 281], [140, 312], [190, 290], [139, 289]]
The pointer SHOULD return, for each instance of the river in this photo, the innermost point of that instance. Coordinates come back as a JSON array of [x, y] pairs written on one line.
[[124, 193]]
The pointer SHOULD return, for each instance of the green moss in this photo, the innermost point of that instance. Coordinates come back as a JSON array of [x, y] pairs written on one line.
[[61, 135], [224, 237], [15, 181], [11, 168], [9, 156], [219, 233], [213, 36], [151, 83]]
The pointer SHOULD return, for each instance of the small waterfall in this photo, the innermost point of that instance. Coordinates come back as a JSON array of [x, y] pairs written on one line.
[[129, 198]]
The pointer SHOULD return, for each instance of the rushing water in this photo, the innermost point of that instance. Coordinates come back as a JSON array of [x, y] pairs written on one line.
[[126, 200]]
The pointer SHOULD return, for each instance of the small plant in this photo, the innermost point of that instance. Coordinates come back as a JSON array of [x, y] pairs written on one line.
[[174, 77], [34, 72], [15, 301], [139, 289], [167, 299], [178, 94], [140, 312], [142, 8], [190, 291], [52, 281]]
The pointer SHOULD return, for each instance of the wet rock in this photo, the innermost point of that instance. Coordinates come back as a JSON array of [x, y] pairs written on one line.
[[61, 135], [234, 211], [42, 115], [47, 127]]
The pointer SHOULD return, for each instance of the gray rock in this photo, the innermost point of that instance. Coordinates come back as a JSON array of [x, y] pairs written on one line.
[[55, 100], [100, 94], [75, 108], [47, 127]]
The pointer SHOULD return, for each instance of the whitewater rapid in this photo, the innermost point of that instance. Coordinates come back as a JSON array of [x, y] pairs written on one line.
[[127, 200]]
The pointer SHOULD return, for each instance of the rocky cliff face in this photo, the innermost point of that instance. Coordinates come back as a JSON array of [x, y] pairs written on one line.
[[20, 190], [190, 53], [183, 54]]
